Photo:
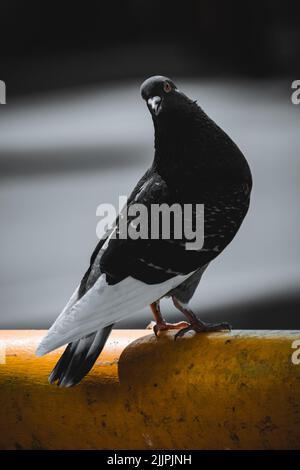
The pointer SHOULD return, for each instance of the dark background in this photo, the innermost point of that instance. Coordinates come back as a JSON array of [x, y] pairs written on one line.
[[75, 133], [49, 45]]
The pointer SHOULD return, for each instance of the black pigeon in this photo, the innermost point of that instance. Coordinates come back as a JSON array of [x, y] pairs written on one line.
[[195, 162]]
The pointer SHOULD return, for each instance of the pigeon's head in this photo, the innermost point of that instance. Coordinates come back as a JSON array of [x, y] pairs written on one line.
[[161, 95]]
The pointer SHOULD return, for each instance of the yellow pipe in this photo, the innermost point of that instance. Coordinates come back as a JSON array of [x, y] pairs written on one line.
[[237, 390]]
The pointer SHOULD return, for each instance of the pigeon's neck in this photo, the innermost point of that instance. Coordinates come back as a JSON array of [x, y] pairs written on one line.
[[171, 136], [173, 139], [191, 145]]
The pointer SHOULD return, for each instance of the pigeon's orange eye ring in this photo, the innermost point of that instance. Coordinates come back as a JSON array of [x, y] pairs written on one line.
[[167, 87]]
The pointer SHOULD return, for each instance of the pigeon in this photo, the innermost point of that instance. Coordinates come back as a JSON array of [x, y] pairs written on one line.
[[196, 163]]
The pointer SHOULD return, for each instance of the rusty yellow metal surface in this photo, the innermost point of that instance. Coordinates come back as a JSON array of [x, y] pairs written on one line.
[[237, 390]]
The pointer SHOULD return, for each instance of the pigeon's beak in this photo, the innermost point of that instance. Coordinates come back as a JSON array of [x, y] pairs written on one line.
[[155, 104]]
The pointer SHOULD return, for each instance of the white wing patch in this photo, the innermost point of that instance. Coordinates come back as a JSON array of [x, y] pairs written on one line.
[[101, 306]]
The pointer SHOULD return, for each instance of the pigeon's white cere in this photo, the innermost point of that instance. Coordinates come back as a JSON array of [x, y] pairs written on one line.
[[154, 102]]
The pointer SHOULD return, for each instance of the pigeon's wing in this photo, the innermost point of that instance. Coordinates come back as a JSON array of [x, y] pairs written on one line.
[[107, 302], [94, 272], [149, 259]]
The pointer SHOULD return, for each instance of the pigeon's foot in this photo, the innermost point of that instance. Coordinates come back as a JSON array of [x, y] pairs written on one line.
[[202, 327], [160, 324], [195, 324], [164, 326]]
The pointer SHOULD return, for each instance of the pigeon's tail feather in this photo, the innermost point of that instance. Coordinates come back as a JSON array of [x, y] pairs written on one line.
[[102, 305], [78, 358]]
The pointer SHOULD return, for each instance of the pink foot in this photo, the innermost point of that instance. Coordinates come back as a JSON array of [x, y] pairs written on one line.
[[164, 326], [202, 327]]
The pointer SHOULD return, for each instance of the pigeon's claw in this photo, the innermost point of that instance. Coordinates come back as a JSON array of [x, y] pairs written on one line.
[[202, 327], [195, 323]]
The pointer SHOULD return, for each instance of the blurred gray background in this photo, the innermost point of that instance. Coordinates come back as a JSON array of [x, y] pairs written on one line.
[[75, 133]]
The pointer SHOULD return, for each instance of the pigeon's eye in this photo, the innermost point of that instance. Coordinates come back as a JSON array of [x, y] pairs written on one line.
[[167, 87]]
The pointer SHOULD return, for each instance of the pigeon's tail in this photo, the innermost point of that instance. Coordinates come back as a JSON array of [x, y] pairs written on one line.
[[78, 358]]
